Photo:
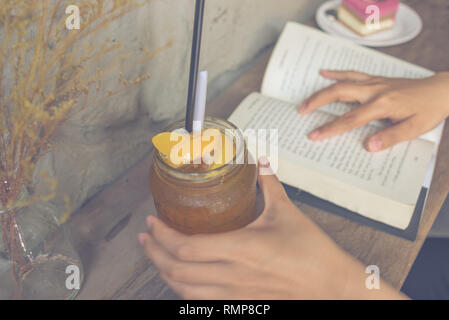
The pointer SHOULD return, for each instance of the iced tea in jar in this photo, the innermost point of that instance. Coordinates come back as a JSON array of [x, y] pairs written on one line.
[[206, 198]]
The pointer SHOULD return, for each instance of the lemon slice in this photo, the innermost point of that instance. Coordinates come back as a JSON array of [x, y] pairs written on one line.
[[166, 141]]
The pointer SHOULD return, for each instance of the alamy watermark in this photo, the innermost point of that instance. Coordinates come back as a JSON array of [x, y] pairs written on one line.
[[213, 146], [372, 282], [73, 21], [373, 19], [73, 280]]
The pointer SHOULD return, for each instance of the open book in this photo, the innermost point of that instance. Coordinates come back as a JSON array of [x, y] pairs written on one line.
[[384, 186]]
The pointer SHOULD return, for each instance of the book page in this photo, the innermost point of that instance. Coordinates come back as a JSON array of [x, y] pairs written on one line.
[[301, 52], [397, 173], [292, 74]]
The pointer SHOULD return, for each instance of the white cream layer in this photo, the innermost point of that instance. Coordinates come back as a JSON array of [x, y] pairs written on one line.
[[348, 18]]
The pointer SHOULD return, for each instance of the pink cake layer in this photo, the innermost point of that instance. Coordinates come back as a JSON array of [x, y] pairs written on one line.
[[358, 7]]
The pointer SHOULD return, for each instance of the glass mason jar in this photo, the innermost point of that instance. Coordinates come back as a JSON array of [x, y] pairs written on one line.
[[214, 201], [37, 257]]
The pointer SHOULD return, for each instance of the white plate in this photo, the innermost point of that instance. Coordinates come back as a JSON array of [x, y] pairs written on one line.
[[407, 26]]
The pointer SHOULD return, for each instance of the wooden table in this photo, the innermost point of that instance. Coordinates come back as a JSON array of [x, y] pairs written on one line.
[[105, 229]]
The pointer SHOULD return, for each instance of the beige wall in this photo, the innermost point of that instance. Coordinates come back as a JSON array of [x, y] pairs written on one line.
[[235, 31], [96, 147]]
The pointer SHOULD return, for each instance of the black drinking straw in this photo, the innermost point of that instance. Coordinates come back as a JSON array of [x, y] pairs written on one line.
[[194, 62]]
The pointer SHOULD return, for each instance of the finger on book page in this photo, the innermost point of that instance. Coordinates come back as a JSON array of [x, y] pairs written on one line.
[[403, 131], [345, 75], [347, 122], [340, 91]]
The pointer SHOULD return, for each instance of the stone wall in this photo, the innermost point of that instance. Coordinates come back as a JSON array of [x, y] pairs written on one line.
[[101, 143]]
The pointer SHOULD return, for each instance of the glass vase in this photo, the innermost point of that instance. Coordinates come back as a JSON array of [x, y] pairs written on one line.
[[37, 257]]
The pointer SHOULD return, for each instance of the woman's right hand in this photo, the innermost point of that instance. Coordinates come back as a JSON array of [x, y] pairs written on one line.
[[281, 255]]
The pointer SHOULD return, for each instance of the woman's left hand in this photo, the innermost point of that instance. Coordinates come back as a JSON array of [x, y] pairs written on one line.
[[415, 106]]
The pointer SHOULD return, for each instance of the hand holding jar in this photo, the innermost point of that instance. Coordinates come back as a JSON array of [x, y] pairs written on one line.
[[281, 255]]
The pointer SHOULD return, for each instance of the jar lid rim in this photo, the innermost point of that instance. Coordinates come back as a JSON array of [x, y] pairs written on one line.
[[206, 175]]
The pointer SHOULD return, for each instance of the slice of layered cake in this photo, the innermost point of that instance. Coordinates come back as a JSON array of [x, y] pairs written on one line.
[[366, 17]]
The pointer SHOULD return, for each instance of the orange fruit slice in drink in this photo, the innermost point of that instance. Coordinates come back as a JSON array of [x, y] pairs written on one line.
[[182, 149]]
